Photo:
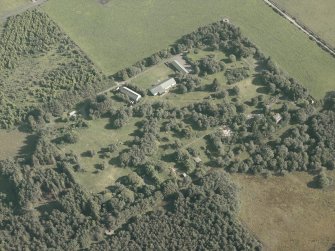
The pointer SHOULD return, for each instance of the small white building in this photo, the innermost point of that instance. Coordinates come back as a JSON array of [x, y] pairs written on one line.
[[130, 93], [179, 67], [73, 114], [277, 117], [163, 87]]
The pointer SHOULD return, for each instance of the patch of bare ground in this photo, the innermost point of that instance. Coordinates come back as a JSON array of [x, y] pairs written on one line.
[[286, 214]]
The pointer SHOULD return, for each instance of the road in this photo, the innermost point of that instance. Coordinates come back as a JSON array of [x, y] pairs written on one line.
[[21, 9], [295, 23]]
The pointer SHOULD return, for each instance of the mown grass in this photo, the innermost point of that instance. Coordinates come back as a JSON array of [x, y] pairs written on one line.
[[121, 32], [97, 136], [8, 6], [153, 76], [317, 15]]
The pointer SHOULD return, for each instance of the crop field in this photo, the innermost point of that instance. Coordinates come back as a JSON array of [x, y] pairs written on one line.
[[117, 34], [286, 214], [317, 15]]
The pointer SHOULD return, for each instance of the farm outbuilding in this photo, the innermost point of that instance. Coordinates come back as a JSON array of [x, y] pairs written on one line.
[[163, 87], [179, 67], [130, 93]]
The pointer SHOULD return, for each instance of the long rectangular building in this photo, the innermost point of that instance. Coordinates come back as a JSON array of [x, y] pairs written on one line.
[[130, 93], [163, 87], [179, 67]]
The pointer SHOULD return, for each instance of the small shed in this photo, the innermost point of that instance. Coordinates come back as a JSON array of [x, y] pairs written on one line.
[[73, 114], [197, 159], [277, 117]]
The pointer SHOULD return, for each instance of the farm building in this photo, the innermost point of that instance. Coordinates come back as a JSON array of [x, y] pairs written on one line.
[[277, 117], [163, 87], [130, 93], [179, 67]]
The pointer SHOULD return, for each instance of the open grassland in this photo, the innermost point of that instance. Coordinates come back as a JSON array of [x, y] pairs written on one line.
[[12, 143], [317, 15], [286, 214], [121, 32], [8, 6]]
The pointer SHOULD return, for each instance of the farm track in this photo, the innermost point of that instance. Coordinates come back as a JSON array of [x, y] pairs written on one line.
[[22, 9], [291, 19]]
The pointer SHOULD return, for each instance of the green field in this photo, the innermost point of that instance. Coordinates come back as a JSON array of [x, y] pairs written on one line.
[[121, 32], [317, 15], [9, 6]]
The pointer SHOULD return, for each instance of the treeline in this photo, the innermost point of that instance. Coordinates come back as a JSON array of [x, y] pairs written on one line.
[[219, 35], [200, 216], [69, 78]]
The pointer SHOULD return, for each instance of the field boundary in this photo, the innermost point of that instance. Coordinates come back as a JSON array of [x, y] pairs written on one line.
[[23, 9], [319, 41]]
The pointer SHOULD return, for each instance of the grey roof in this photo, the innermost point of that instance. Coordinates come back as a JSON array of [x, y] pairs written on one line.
[[179, 66], [130, 93], [163, 86]]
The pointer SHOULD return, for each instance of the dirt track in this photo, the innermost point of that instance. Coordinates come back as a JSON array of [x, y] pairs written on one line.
[[295, 23]]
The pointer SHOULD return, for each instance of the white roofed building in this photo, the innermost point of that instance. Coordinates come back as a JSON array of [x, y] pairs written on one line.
[[163, 87], [130, 93], [179, 67]]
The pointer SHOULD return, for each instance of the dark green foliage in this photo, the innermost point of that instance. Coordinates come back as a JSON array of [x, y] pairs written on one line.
[[31, 37], [236, 74], [200, 217], [209, 65]]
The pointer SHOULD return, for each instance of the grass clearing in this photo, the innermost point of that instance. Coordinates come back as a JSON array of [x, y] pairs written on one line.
[[12, 143], [285, 214], [317, 15], [94, 138], [153, 76], [8, 6], [121, 32]]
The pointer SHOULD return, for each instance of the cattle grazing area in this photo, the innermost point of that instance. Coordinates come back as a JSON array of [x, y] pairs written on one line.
[[316, 15], [285, 213], [119, 33]]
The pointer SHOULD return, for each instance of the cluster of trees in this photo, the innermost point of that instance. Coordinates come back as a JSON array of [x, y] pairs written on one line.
[[210, 65], [70, 77], [236, 74], [200, 216]]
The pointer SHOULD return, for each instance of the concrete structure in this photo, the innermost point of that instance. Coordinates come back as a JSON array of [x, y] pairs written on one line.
[[163, 87], [130, 93], [179, 67]]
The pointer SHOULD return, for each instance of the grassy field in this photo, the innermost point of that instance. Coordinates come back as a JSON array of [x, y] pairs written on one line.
[[121, 32], [8, 6], [317, 15], [285, 214], [12, 143]]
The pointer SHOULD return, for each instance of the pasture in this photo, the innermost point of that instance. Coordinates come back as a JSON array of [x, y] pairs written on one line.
[[10, 6], [285, 214], [13, 144], [317, 15], [119, 33]]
